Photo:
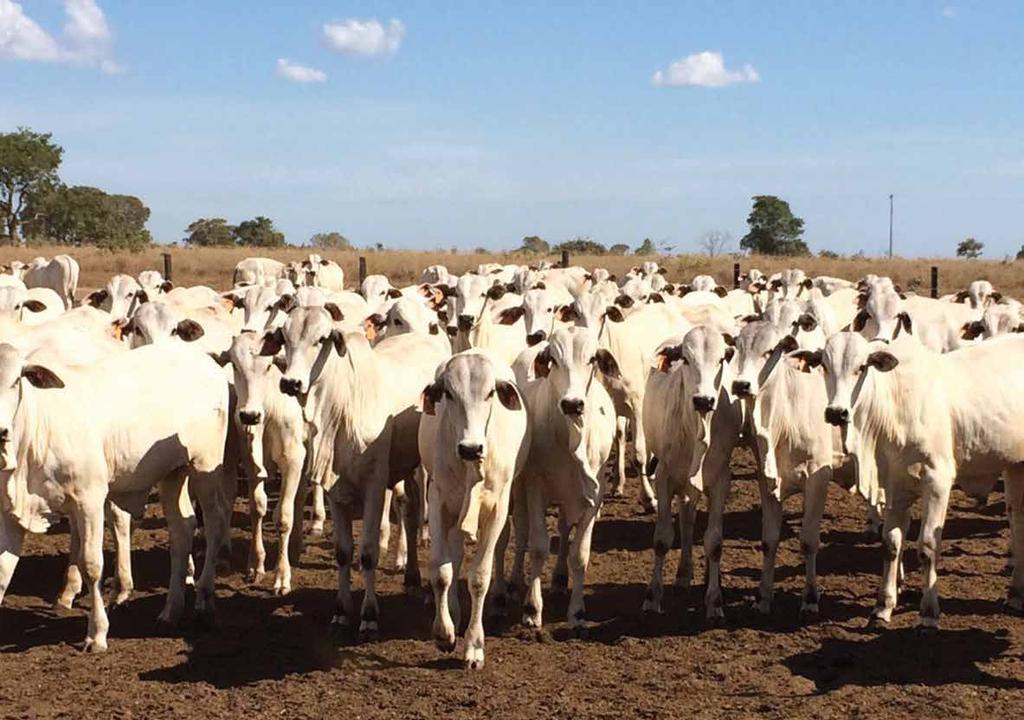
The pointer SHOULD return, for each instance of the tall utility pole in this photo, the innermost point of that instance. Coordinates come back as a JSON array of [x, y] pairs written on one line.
[[890, 225]]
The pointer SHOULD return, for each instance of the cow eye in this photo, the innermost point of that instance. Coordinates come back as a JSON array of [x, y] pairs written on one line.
[[398, 322], [491, 393], [551, 309], [270, 308]]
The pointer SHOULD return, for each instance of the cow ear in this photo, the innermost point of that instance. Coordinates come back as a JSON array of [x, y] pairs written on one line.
[[324, 262], [188, 330], [996, 296], [882, 360], [807, 322], [334, 311], [496, 292], [273, 341], [337, 338], [449, 291], [862, 299], [614, 314], [730, 352], [776, 284], [95, 298], [222, 358], [542, 363], [662, 271], [685, 289], [905, 322], [655, 297], [667, 356], [728, 339], [972, 330], [538, 286], [142, 296], [286, 303], [859, 321], [394, 293], [231, 301], [721, 291], [41, 377], [607, 364], [34, 305], [567, 313], [624, 301], [613, 278], [510, 316], [805, 360], [430, 396], [750, 318], [669, 288], [508, 395], [962, 296], [433, 328], [788, 344], [808, 283], [166, 286]]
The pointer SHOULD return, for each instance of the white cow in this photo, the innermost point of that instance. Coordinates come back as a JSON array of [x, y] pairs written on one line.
[[915, 422], [59, 275], [474, 441], [937, 325], [258, 271], [120, 297], [318, 272], [979, 295], [572, 430], [70, 448]]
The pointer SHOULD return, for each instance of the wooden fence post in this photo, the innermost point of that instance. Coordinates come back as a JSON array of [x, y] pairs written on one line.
[[935, 281], [362, 270], [167, 266], [735, 275], [565, 258]]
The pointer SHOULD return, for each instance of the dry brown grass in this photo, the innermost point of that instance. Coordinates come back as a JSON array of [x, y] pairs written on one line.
[[213, 266]]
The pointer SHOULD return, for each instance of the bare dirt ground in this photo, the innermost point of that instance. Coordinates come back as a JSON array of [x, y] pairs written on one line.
[[272, 656]]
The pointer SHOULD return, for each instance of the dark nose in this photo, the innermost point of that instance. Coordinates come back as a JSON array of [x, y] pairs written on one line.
[[703, 403], [469, 451], [290, 386], [741, 388], [572, 406], [534, 338], [837, 416], [248, 417], [451, 330], [5, 435], [465, 323]]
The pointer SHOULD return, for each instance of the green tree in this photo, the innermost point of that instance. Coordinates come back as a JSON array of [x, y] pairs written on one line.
[[535, 244], [970, 249], [581, 245], [28, 166], [82, 215], [258, 232], [618, 249], [330, 241], [205, 232], [774, 230], [645, 248], [125, 218]]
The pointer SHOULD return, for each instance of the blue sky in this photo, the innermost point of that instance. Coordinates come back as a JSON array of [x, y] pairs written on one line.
[[474, 124]]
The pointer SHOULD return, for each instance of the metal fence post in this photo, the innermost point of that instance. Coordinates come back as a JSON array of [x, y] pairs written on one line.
[[735, 275], [935, 281], [362, 270], [167, 266]]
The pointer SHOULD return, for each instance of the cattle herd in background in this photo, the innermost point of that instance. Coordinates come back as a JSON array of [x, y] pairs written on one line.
[[474, 403]]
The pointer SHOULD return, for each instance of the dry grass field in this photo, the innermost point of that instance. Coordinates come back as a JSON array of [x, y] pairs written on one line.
[[213, 266]]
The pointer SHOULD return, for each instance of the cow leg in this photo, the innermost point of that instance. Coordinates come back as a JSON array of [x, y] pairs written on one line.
[[121, 527], [873, 523], [560, 576], [533, 609], [343, 546], [687, 521], [12, 537], [897, 517], [621, 439], [499, 587], [648, 498], [400, 502], [411, 514], [491, 524], [521, 527], [257, 511], [442, 576], [1014, 482], [89, 517], [207, 487], [815, 494], [291, 480], [72, 576], [181, 526], [319, 511], [771, 527], [370, 546], [713, 551], [579, 559], [934, 502], [662, 541], [384, 535]]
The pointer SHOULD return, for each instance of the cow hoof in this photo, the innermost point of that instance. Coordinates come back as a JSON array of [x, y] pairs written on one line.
[[368, 631], [648, 507], [121, 599], [926, 629], [580, 632], [94, 646], [560, 584], [254, 577], [64, 603], [282, 590], [445, 645], [877, 622], [763, 607], [317, 530], [652, 607], [532, 621], [809, 614], [474, 658], [715, 619]]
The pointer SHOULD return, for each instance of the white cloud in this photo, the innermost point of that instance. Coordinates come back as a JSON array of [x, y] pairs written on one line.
[[949, 12], [87, 39], [703, 69], [298, 73], [364, 37]]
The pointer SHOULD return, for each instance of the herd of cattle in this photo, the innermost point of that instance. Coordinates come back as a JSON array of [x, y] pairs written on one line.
[[474, 403]]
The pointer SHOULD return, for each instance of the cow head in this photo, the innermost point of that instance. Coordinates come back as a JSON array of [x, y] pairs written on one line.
[[16, 376], [570, 363], [704, 355], [308, 337], [760, 348], [849, 361]]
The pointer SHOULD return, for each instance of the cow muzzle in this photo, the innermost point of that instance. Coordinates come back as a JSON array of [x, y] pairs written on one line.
[[535, 338], [291, 386], [837, 416], [465, 323], [471, 452], [250, 417], [571, 406], [703, 404], [741, 388]]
